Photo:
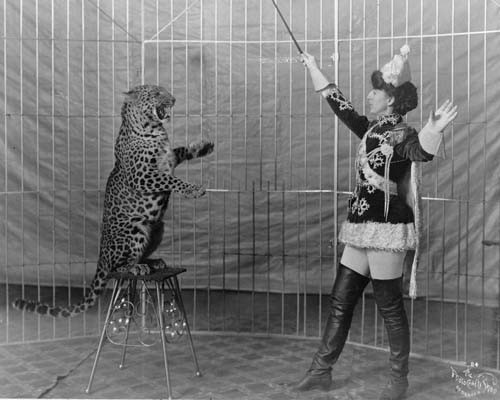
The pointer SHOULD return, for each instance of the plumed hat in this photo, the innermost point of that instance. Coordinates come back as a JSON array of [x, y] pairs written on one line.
[[397, 71]]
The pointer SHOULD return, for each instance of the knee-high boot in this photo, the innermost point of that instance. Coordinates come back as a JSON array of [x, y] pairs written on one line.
[[347, 289], [389, 297]]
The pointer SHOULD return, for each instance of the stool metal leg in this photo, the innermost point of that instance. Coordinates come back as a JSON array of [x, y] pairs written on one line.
[[131, 298], [178, 296], [114, 297], [159, 314]]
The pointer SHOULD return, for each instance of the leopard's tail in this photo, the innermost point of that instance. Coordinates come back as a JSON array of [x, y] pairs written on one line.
[[96, 287]]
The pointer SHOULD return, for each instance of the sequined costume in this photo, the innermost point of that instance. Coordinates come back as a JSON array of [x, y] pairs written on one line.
[[381, 209]]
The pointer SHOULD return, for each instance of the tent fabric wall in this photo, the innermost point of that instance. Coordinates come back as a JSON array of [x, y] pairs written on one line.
[[267, 221]]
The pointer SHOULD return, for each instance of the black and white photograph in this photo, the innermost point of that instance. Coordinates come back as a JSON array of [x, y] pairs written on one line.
[[250, 199]]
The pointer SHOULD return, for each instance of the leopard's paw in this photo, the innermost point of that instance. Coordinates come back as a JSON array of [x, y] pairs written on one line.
[[194, 191], [202, 148], [140, 269]]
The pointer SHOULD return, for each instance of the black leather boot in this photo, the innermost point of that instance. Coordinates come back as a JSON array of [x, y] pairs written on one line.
[[389, 297], [347, 289]]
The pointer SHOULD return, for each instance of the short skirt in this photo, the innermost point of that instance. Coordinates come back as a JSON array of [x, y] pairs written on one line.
[[379, 235]]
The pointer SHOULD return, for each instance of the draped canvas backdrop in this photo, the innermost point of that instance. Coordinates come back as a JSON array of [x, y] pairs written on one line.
[[268, 220]]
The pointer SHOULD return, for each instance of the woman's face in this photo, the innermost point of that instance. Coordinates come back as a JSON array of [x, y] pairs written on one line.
[[380, 102]]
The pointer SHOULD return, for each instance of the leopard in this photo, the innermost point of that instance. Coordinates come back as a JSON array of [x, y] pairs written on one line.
[[136, 196]]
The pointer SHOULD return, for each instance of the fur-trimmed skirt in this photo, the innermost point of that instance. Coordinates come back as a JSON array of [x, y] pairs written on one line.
[[379, 235]]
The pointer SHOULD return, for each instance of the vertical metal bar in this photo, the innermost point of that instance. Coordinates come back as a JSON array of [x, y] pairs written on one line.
[[392, 27], [201, 178], [84, 170], [143, 55], [436, 91], [186, 85], [421, 85], [378, 33], [172, 211], [6, 175], [231, 120], [457, 302], [245, 74], [157, 43], [216, 90], [127, 55], [268, 256], [113, 89], [37, 84], [484, 190], [412, 301], [363, 298], [201, 83], [195, 256], [260, 98], [336, 132], [452, 70], [224, 261], [466, 304], [52, 128], [469, 163], [442, 302], [485, 128], [320, 100], [21, 131], [498, 298], [283, 258], [99, 116], [275, 102], [253, 258], [290, 103], [180, 229], [297, 256], [238, 262], [305, 264], [68, 160], [306, 110], [305, 180], [209, 272], [428, 277], [452, 195]]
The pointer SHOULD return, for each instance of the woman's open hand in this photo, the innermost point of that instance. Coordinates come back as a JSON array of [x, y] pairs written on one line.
[[439, 119]]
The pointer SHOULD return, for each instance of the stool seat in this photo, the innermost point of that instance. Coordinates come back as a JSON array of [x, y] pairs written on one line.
[[158, 275], [132, 308]]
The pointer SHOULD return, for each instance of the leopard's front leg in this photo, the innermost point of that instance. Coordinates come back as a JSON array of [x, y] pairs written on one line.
[[194, 150]]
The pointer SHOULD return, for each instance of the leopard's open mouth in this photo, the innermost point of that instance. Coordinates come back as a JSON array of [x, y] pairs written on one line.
[[163, 112]]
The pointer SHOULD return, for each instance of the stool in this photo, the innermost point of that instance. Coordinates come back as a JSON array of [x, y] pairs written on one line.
[[122, 312]]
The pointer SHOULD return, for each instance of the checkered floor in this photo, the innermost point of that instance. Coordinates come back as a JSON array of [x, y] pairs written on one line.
[[234, 366]]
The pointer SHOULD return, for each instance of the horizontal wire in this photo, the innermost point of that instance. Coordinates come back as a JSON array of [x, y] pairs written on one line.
[[63, 39], [211, 190], [323, 40]]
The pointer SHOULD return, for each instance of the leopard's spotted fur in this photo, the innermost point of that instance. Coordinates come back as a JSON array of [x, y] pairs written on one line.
[[137, 193]]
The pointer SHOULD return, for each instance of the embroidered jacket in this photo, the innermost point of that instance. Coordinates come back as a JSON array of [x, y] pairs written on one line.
[[380, 210]]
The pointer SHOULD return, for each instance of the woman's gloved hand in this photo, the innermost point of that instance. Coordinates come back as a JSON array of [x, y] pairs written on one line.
[[431, 135], [318, 79], [439, 119]]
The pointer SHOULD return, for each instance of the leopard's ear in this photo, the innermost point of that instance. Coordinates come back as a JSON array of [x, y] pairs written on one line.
[[132, 94]]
